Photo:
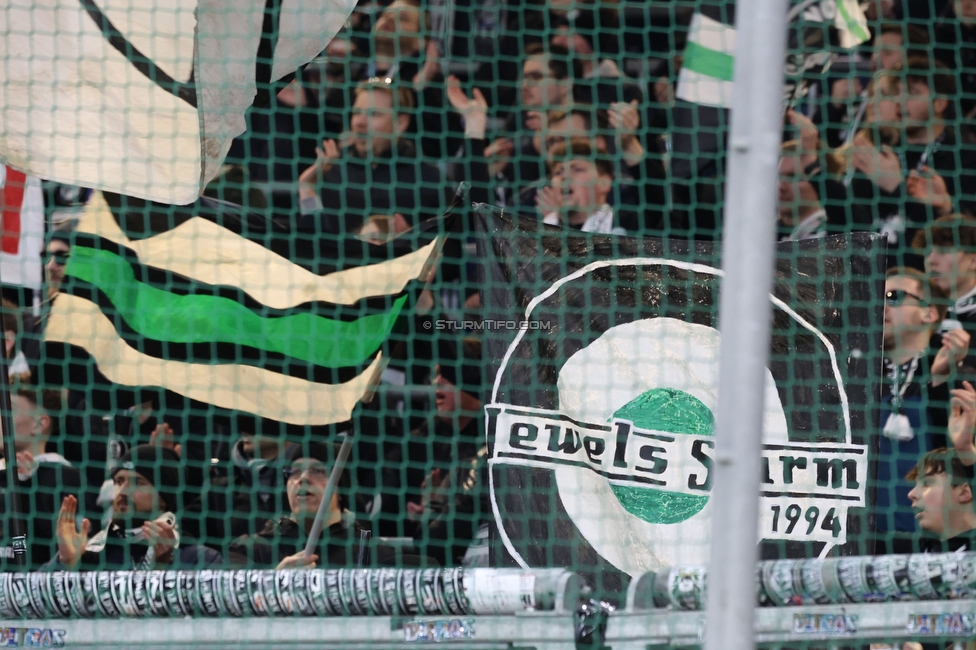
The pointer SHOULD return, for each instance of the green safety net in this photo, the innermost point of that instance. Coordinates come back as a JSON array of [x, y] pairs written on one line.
[[481, 242]]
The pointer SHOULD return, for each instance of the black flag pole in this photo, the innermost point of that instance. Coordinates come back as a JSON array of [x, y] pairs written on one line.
[[15, 524], [459, 200], [330, 488]]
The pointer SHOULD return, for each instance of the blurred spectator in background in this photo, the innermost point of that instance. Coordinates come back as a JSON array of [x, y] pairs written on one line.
[[56, 256], [955, 46], [809, 188], [280, 543], [591, 36], [546, 83], [18, 370], [640, 177], [801, 215], [517, 160], [403, 52], [44, 477], [144, 532], [375, 172], [893, 44], [949, 247], [906, 162], [913, 415], [444, 505], [242, 502]]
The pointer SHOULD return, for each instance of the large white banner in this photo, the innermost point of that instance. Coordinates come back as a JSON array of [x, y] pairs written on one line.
[[143, 97]]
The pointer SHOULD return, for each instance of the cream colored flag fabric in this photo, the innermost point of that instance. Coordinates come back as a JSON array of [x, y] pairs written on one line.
[[143, 97]]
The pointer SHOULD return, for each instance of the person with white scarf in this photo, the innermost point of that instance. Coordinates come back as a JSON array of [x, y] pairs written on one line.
[[580, 185], [144, 532]]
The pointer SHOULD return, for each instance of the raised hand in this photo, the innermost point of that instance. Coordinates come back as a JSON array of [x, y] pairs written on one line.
[[624, 119], [549, 200], [163, 437], [431, 67], [808, 132], [499, 153], [881, 166], [929, 188], [162, 537], [25, 463], [71, 540], [962, 421], [325, 158], [955, 347], [474, 111], [297, 561]]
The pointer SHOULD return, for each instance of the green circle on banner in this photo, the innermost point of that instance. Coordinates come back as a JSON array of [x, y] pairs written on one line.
[[668, 410]]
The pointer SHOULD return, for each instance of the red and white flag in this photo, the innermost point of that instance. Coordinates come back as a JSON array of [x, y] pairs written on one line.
[[21, 228]]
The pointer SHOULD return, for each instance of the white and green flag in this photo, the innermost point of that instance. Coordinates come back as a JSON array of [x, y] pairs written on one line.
[[709, 56], [709, 61]]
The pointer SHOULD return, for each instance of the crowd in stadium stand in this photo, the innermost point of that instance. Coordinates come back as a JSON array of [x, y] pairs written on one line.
[[565, 113]]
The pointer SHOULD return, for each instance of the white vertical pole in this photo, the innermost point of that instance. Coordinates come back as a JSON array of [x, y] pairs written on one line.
[[748, 245]]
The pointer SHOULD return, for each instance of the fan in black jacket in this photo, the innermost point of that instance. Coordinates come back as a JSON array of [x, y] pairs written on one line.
[[378, 173], [144, 532], [281, 543], [44, 478]]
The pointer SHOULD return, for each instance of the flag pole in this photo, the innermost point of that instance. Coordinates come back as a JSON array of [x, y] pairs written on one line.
[[459, 199], [748, 247], [330, 488]]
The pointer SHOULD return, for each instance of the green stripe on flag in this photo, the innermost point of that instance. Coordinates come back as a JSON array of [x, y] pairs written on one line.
[[852, 25], [711, 63], [165, 316]]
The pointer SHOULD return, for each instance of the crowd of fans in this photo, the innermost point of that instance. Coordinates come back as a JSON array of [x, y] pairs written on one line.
[[534, 109]]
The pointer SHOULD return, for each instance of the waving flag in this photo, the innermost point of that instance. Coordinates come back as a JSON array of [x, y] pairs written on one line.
[[709, 61], [199, 304], [143, 97], [21, 228]]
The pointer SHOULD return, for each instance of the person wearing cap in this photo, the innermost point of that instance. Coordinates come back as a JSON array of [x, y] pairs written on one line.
[[281, 542], [144, 532]]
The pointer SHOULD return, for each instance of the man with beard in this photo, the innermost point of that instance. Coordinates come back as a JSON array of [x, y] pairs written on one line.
[[377, 173], [913, 414], [144, 532], [907, 164]]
